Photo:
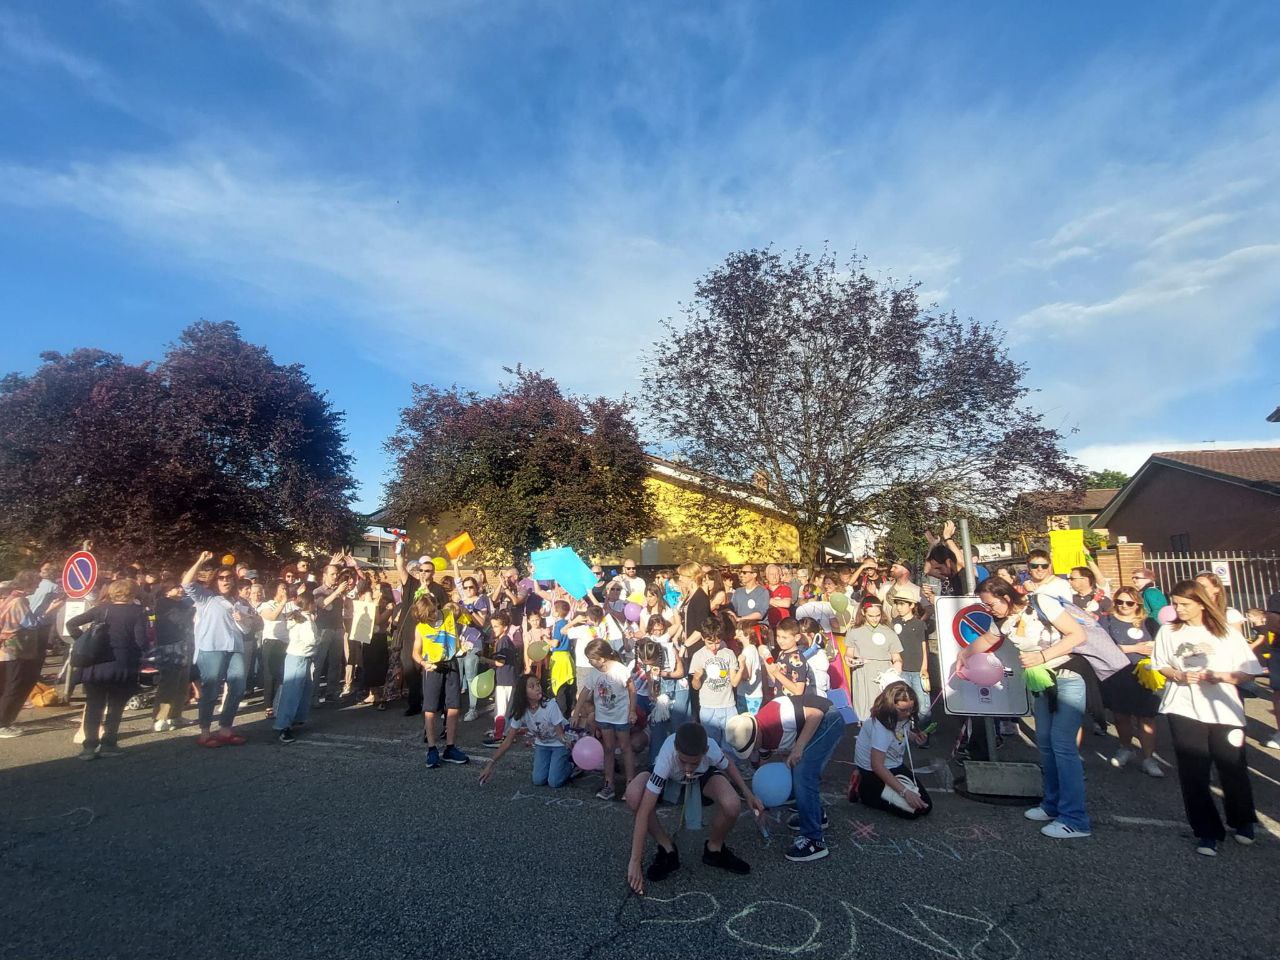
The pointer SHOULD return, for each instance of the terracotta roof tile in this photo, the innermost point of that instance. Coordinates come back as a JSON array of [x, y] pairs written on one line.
[[1257, 465]]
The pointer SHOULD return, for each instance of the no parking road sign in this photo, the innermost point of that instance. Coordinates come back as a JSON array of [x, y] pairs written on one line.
[[961, 621], [80, 574]]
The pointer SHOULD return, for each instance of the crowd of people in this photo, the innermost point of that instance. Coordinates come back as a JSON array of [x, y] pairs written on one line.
[[700, 673]]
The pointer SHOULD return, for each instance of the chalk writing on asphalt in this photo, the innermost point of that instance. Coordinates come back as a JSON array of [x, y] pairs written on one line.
[[951, 932]]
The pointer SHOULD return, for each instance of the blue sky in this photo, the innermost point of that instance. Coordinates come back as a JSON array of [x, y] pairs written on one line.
[[391, 192]]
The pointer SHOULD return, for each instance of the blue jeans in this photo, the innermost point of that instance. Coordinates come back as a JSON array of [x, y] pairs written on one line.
[[216, 667], [714, 719], [293, 702], [658, 732], [807, 774], [915, 683], [470, 669], [1060, 765], [551, 765]]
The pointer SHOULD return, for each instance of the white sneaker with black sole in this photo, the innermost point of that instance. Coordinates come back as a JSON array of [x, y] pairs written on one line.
[[1060, 831], [804, 850]]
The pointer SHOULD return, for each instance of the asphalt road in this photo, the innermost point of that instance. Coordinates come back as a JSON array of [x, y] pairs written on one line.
[[344, 845]]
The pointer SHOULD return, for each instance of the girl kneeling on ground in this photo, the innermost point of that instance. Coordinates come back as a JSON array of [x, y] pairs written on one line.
[[543, 720], [881, 755]]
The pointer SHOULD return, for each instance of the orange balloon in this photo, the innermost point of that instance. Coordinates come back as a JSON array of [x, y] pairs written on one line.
[[229, 560]]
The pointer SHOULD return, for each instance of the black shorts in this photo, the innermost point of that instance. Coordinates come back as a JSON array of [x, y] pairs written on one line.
[[441, 690], [1123, 694]]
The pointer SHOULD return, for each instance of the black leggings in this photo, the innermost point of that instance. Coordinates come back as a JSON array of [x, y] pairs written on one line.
[[871, 788], [566, 698], [1199, 746], [272, 652], [103, 707]]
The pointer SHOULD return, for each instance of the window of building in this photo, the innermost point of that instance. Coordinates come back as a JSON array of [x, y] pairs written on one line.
[[1180, 542]]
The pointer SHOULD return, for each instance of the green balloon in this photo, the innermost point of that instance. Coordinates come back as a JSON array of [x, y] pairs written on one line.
[[482, 685], [839, 602]]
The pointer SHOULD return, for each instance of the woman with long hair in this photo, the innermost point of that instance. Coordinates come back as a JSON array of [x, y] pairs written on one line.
[[713, 584], [377, 652], [1046, 635], [871, 648], [21, 649], [1128, 626], [1205, 661], [1216, 591]]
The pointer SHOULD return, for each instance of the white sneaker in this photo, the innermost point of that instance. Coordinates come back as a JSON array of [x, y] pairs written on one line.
[[159, 726], [470, 715], [1060, 831], [1037, 814], [1123, 756], [1151, 767], [1273, 743], [79, 736], [8, 733]]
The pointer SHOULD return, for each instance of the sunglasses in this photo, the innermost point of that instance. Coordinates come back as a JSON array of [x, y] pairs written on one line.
[[1037, 566], [1125, 603], [224, 579], [629, 569]]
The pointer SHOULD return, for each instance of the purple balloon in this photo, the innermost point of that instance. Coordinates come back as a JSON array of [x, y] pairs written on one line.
[[588, 754], [632, 612]]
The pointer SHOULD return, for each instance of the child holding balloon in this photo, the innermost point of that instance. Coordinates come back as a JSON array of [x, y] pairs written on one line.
[[563, 686], [508, 658], [542, 720]]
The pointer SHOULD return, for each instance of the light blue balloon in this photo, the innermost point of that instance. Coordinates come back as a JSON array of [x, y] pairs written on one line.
[[772, 784]]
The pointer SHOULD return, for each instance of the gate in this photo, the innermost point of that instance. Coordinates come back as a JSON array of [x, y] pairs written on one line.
[[1254, 576]]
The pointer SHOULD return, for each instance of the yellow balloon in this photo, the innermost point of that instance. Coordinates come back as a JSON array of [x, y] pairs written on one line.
[[229, 560], [636, 597], [482, 685], [538, 650], [439, 563]]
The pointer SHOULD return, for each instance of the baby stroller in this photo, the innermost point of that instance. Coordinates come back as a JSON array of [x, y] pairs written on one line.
[[148, 678]]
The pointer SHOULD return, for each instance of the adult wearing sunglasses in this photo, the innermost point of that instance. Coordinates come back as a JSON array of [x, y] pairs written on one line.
[[222, 621], [480, 608], [1042, 581], [1134, 633], [630, 581]]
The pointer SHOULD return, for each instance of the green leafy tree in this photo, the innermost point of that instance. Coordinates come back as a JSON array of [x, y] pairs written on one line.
[[1105, 479], [528, 467]]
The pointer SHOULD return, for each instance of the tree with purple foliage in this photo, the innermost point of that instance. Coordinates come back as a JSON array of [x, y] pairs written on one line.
[[526, 467], [216, 445], [841, 400]]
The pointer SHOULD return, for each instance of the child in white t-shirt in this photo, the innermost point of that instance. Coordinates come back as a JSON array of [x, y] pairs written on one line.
[[881, 755], [294, 698], [613, 693], [750, 691], [815, 655], [541, 720]]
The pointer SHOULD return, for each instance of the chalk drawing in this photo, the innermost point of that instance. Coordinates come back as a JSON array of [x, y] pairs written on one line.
[[710, 906], [863, 831], [945, 932], [774, 908], [995, 943], [926, 849], [974, 831]]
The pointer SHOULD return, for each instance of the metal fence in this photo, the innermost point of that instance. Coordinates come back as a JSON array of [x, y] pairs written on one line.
[[1252, 576]]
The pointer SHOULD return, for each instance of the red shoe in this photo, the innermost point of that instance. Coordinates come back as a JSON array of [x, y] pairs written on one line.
[[208, 740], [231, 739]]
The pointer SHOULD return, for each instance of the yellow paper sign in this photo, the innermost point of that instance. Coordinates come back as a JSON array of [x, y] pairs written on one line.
[[1067, 548]]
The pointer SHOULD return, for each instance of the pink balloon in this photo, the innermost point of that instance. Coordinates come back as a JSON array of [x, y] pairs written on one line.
[[1167, 614], [632, 612], [984, 669], [588, 754]]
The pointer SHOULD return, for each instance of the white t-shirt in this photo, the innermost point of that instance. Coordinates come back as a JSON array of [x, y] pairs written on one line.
[[277, 629], [819, 610], [752, 682], [609, 691], [874, 735], [1195, 648], [1238, 621], [584, 633], [542, 723], [667, 765], [716, 690], [646, 616], [1053, 587], [819, 672], [302, 636], [669, 661], [630, 585]]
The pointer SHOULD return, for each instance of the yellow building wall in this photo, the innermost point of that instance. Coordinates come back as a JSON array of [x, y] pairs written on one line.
[[692, 525]]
